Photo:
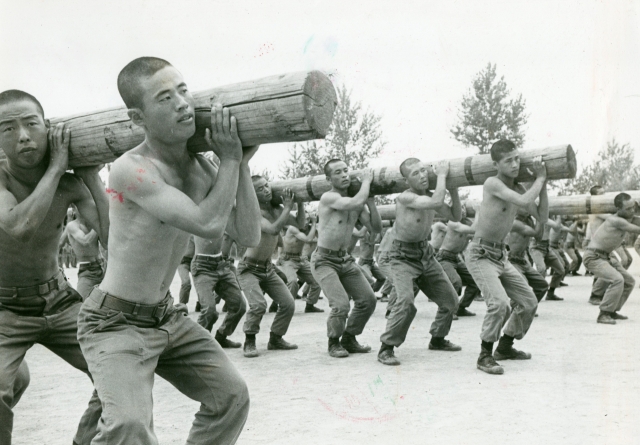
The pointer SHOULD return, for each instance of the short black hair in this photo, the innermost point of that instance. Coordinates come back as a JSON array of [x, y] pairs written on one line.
[[620, 199], [329, 163], [593, 190], [406, 165], [10, 96], [130, 76], [501, 148], [255, 178]]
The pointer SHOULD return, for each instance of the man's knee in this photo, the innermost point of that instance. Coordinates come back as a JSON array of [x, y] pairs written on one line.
[[340, 309], [258, 307], [499, 306]]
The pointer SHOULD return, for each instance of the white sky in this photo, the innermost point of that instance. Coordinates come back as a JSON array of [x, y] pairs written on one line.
[[576, 62]]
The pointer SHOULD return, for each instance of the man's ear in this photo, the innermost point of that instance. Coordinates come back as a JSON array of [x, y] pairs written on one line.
[[328, 178], [47, 123], [137, 116]]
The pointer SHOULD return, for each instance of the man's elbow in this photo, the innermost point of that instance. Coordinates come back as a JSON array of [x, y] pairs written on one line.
[[22, 233], [213, 230]]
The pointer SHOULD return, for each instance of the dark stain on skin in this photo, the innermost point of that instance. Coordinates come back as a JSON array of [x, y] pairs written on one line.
[[340, 222], [418, 220], [504, 209], [161, 222], [58, 226]]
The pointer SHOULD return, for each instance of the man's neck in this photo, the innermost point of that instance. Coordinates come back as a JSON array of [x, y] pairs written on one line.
[[342, 192], [265, 205], [510, 182], [28, 176], [418, 191], [171, 154]]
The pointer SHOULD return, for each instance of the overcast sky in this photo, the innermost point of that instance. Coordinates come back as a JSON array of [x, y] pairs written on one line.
[[576, 63]]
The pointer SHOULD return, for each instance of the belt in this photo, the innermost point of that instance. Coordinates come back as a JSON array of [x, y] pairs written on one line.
[[554, 246], [518, 259], [542, 243], [137, 309], [339, 253], [484, 242], [413, 245], [294, 256], [30, 291], [96, 262], [366, 260], [257, 263], [209, 258], [598, 251]]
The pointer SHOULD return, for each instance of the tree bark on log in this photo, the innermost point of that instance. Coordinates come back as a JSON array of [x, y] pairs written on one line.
[[574, 205], [472, 170], [283, 108]]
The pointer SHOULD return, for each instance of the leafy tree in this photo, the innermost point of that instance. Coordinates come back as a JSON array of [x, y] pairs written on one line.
[[614, 169], [355, 137], [488, 113]]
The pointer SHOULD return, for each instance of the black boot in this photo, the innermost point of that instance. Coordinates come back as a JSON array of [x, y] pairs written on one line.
[[225, 342], [250, 349], [277, 342], [551, 295], [352, 346], [335, 348]]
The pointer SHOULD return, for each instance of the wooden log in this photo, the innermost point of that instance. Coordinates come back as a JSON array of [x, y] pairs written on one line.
[[574, 205], [284, 108], [472, 170]]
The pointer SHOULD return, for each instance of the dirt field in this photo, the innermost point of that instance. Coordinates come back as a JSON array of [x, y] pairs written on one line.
[[581, 387]]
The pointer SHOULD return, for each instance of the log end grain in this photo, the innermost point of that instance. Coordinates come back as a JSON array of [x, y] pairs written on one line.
[[320, 102], [572, 164]]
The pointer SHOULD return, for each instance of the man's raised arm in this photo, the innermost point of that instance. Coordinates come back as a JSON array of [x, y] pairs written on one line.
[[247, 217], [499, 189], [274, 228], [337, 202], [22, 220], [207, 219], [94, 204], [435, 201]]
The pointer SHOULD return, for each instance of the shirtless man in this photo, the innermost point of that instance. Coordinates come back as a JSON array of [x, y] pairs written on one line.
[[599, 261], [371, 270], [84, 242], [545, 257], [214, 278], [184, 272], [486, 257], [307, 250], [571, 248], [522, 231], [331, 265], [450, 258], [257, 274], [128, 327], [295, 266], [37, 304], [412, 259], [438, 232]]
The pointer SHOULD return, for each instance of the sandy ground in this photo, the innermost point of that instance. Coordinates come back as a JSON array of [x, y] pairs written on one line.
[[581, 387]]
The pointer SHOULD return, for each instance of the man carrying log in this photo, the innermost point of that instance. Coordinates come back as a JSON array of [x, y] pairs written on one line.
[[214, 278], [522, 231], [84, 242], [545, 256], [571, 248], [37, 304], [598, 258], [257, 274], [334, 268], [184, 272], [295, 266], [128, 327], [371, 270], [413, 261], [450, 258], [486, 256]]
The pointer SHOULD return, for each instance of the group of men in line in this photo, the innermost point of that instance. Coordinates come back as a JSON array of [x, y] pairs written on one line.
[[121, 326]]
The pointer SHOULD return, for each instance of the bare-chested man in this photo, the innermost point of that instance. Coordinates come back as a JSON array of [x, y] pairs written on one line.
[[486, 257], [257, 274], [546, 256], [37, 305], [335, 270], [599, 261], [413, 260], [571, 248], [450, 258], [128, 327], [522, 231], [366, 261], [438, 232], [295, 266], [184, 272], [84, 242], [214, 278]]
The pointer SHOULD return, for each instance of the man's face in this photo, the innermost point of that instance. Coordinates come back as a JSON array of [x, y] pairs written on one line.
[[339, 176], [418, 176], [628, 209], [509, 165], [168, 106], [263, 190], [598, 191], [23, 133]]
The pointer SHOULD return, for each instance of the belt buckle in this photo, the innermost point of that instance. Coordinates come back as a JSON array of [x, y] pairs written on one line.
[[43, 289], [163, 308]]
